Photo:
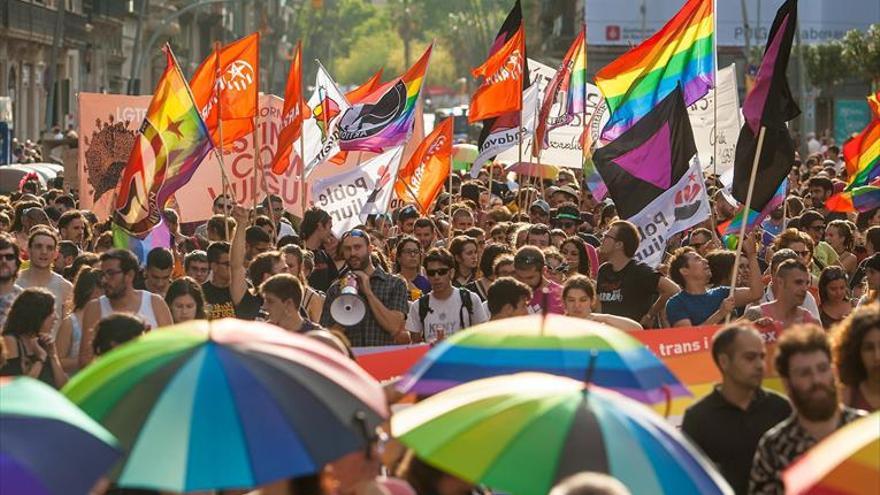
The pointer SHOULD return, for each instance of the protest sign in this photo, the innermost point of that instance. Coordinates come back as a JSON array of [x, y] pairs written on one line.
[[702, 116]]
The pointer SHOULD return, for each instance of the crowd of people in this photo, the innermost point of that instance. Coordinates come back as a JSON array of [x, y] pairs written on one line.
[[485, 252]]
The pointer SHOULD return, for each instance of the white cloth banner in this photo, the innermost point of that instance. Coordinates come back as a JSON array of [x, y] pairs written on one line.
[[702, 115], [564, 141], [680, 207], [351, 196]]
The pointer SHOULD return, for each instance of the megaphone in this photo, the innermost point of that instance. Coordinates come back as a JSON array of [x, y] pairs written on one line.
[[348, 308]]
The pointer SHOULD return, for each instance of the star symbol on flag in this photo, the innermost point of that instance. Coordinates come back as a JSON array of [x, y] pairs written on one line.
[[174, 127], [235, 71]]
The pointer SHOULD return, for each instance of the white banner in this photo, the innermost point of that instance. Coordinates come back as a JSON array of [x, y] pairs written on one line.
[[350, 196], [702, 114], [565, 146], [682, 206]]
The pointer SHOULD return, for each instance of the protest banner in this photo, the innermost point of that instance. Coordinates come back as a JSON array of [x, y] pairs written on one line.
[[686, 351], [109, 124], [702, 115]]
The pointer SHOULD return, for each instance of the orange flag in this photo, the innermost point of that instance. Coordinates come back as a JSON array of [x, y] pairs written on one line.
[[227, 83], [502, 74], [427, 170], [291, 114], [360, 92]]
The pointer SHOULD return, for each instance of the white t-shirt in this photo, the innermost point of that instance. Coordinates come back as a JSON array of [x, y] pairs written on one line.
[[445, 316]]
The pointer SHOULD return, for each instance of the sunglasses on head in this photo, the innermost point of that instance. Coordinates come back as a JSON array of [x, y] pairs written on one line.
[[354, 233]]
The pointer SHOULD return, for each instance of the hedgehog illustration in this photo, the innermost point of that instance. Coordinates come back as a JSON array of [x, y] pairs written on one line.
[[107, 152]]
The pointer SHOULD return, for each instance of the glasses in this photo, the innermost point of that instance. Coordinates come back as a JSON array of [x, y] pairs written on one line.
[[527, 260], [566, 225], [410, 252], [8, 257], [108, 273], [438, 272]]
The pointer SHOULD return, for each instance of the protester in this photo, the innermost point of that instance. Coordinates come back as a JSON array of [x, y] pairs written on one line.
[[446, 309], [116, 329], [197, 266], [490, 254], [464, 250], [834, 294], [697, 304], [626, 287], [86, 288], [857, 357], [727, 423], [408, 264], [158, 271], [265, 263], [27, 338], [529, 268], [185, 300], [872, 280], [218, 300], [385, 296], [296, 260], [42, 249], [315, 229], [778, 258], [9, 265], [118, 270], [577, 257], [424, 230], [803, 361], [790, 284], [282, 303], [579, 297], [507, 297], [840, 236]]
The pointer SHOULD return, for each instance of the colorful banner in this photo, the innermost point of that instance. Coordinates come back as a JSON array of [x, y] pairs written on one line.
[[686, 351], [108, 128]]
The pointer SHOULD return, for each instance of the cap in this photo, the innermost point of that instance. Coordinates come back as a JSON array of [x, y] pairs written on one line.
[[567, 189], [568, 212], [540, 203]]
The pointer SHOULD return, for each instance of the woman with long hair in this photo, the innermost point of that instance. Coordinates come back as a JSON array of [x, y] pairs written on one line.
[[186, 300], [487, 263], [86, 287], [839, 234], [27, 336], [299, 263], [834, 300], [408, 263], [574, 249], [464, 252], [857, 357]]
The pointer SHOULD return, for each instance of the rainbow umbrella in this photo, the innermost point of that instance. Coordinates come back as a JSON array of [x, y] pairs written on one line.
[[846, 462], [523, 433], [552, 344], [463, 155], [47, 445], [227, 404]]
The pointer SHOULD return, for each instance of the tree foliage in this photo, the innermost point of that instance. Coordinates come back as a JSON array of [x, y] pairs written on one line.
[[861, 52], [823, 64]]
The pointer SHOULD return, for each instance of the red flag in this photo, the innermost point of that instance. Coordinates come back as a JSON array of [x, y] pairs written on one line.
[[501, 91], [424, 175], [291, 114], [362, 91], [227, 81]]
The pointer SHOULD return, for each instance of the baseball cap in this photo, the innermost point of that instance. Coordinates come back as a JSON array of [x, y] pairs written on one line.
[[540, 203], [568, 212], [567, 189]]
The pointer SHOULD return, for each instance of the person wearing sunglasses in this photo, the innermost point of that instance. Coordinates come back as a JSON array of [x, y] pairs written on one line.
[[529, 267], [385, 296], [445, 310], [813, 224], [568, 218], [9, 265]]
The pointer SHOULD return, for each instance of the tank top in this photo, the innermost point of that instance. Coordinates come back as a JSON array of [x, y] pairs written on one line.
[[75, 336], [145, 311]]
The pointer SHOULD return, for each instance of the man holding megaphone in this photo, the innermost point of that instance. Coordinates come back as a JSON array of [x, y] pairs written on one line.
[[383, 297]]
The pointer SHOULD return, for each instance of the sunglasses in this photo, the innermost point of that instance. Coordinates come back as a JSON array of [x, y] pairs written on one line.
[[566, 225], [438, 272], [8, 257]]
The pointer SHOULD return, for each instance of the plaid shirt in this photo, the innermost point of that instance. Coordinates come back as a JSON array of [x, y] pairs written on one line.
[[780, 446], [390, 290]]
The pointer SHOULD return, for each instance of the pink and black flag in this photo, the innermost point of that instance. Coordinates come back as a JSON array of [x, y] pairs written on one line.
[[650, 157], [769, 104]]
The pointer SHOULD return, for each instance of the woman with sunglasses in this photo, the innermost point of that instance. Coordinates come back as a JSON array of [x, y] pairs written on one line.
[[835, 303]]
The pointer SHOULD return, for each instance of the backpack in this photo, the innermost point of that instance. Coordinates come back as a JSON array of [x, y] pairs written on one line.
[[466, 303]]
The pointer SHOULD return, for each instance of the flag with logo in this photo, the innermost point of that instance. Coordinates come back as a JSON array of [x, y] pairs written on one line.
[[569, 86], [321, 126], [172, 142], [351, 196], [385, 118], [291, 115], [422, 178], [225, 89]]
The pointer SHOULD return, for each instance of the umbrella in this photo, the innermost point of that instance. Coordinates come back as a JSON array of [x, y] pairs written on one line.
[[542, 170], [523, 433], [846, 462], [463, 155], [47, 445], [553, 344], [227, 404]]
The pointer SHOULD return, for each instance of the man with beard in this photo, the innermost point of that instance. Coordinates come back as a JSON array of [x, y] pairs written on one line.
[[727, 423], [43, 249], [118, 270], [803, 361], [72, 227], [9, 264], [384, 295], [773, 225]]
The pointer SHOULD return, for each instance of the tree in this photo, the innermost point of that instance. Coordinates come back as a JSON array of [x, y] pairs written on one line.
[[861, 51], [823, 64]]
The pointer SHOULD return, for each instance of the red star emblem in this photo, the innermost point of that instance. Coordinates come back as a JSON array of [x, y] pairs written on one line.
[[174, 127]]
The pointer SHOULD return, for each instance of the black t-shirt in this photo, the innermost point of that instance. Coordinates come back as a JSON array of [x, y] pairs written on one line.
[[729, 435], [629, 292], [325, 271], [218, 304]]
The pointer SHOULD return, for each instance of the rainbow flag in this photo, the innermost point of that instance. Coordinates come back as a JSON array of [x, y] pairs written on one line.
[[734, 225], [570, 81], [173, 141], [681, 53], [384, 118], [862, 156]]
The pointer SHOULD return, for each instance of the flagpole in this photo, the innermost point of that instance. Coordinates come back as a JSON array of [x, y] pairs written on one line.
[[715, 88], [302, 170], [745, 221], [415, 198], [223, 177]]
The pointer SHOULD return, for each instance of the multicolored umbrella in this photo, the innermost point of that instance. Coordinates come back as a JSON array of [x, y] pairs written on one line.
[[553, 344], [47, 445], [524, 433], [532, 169], [227, 404], [463, 155], [846, 462]]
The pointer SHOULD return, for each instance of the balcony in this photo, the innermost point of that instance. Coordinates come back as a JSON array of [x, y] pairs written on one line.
[[37, 23]]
